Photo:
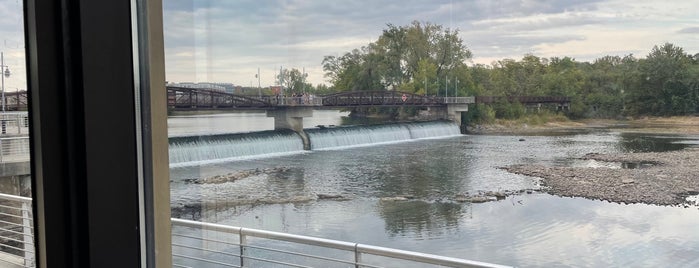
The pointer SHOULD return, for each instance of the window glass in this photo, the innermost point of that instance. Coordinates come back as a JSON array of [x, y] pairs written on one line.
[[16, 221], [451, 128]]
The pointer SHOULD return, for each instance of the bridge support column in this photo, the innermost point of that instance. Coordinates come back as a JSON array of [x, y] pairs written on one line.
[[292, 118], [454, 112]]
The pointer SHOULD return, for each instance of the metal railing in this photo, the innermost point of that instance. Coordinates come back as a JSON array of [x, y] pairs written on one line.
[[14, 123], [14, 149], [460, 100], [16, 231], [199, 244]]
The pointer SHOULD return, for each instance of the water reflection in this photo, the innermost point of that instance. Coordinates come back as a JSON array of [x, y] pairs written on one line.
[[420, 219], [523, 230], [640, 142]]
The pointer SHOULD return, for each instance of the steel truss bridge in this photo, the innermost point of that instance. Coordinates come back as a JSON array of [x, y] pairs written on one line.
[[180, 98]]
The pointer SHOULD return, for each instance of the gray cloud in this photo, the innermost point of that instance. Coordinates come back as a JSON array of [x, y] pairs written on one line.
[[689, 30], [12, 44], [224, 39]]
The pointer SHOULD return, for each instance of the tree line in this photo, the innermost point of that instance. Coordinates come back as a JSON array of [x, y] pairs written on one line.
[[425, 58]]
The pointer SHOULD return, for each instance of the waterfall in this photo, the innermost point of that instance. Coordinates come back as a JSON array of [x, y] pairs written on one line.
[[433, 130], [196, 150], [342, 137]]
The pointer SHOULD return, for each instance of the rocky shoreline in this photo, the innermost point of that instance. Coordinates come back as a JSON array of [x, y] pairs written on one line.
[[665, 178]]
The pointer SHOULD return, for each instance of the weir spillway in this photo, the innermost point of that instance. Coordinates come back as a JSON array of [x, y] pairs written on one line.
[[202, 149]]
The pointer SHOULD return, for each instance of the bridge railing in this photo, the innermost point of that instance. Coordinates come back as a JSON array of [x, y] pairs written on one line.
[[16, 231], [460, 100], [197, 244], [14, 149], [14, 123]]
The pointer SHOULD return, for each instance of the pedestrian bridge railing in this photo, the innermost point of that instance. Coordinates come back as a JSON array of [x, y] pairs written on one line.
[[16, 231], [200, 244]]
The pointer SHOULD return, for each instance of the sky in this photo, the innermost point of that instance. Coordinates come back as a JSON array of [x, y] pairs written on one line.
[[228, 40]]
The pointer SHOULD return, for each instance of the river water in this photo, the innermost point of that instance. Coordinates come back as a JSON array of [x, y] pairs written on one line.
[[526, 230]]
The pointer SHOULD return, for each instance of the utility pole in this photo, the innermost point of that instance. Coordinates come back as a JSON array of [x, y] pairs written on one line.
[[259, 88], [4, 72], [456, 88]]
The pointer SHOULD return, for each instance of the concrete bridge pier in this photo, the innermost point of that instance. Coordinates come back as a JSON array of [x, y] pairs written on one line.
[[454, 111], [292, 118]]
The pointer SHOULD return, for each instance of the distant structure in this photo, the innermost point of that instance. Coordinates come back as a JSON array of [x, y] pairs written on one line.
[[224, 87]]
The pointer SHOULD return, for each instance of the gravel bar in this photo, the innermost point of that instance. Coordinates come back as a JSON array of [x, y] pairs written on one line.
[[665, 178]]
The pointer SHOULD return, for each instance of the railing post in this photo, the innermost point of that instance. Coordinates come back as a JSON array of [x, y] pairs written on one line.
[[27, 231], [242, 244], [357, 256]]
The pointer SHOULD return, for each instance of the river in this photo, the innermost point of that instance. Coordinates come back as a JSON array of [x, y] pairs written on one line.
[[525, 230]]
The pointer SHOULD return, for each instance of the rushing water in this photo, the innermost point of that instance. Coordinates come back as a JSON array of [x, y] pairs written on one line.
[[522, 230]]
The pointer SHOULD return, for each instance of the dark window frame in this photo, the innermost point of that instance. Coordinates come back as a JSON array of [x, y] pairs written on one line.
[[93, 199]]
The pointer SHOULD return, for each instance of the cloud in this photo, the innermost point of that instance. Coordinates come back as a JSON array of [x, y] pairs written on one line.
[[219, 39], [12, 44], [689, 30]]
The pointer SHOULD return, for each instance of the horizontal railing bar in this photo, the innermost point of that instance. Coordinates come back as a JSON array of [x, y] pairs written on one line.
[[15, 138], [18, 241], [15, 232], [276, 262], [16, 216], [13, 223], [367, 249], [359, 264], [16, 198], [301, 254], [204, 260], [313, 241], [15, 248], [205, 249], [15, 208], [422, 257], [182, 266], [6, 261], [256, 247], [209, 240], [267, 234]]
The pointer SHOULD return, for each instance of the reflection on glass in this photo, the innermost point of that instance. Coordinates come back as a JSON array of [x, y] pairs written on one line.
[[253, 144], [16, 230]]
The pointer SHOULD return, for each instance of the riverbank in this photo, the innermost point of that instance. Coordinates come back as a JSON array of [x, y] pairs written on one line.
[[666, 178], [676, 124]]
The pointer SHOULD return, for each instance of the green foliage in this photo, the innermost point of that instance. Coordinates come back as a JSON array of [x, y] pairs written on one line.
[[425, 58], [664, 83], [402, 57], [480, 114], [509, 110]]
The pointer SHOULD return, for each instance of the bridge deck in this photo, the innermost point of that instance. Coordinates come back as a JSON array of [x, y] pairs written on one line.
[[192, 98]]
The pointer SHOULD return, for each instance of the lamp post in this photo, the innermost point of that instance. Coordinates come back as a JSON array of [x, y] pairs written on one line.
[[259, 88], [5, 73]]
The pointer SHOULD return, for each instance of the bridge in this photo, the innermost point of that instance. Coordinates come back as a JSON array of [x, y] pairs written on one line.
[[181, 98]]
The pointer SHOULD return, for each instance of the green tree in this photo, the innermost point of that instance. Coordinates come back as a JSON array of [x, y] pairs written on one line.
[[664, 83], [293, 80], [396, 59]]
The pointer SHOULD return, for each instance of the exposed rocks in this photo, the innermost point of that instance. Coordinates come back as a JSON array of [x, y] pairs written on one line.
[[230, 177], [335, 197], [482, 197], [665, 178], [398, 198]]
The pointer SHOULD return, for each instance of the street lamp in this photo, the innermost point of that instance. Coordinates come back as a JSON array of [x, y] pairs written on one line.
[[5, 73]]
